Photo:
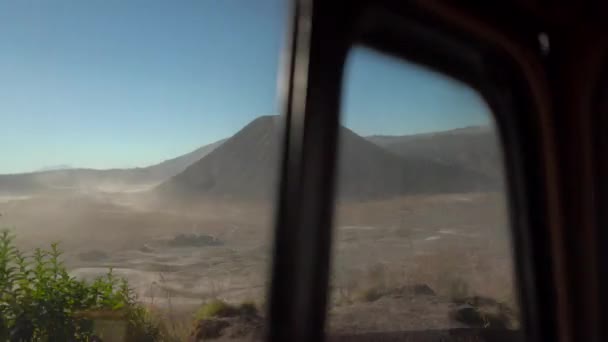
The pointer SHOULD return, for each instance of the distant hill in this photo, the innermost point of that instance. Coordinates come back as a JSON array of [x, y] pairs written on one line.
[[246, 165], [108, 180], [367, 170], [55, 168], [473, 148]]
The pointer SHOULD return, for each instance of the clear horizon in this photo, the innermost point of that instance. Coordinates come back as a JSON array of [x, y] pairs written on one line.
[[123, 84]]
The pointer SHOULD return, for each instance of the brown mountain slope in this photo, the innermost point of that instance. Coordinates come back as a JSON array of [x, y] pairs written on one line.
[[169, 168], [246, 165], [367, 170], [472, 148]]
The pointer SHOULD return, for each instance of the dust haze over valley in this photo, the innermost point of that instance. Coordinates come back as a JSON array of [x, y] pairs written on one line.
[[419, 209]]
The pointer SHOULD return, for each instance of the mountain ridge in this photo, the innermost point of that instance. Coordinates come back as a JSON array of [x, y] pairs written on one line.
[[100, 179], [476, 148], [245, 166]]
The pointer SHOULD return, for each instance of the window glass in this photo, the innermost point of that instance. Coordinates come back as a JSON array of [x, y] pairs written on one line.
[[421, 241], [141, 137]]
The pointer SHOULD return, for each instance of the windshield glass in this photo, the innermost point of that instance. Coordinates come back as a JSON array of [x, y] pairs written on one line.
[[422, 240]]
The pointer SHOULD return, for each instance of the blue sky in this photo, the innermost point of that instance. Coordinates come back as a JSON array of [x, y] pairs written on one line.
[[124, 83]]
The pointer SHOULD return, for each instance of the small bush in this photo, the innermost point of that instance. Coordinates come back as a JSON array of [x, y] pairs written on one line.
[[218, 309], [218, 318], [215, 308], [484, 313], [40, 301], [208, 329]]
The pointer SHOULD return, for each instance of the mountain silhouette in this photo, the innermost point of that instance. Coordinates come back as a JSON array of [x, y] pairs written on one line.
[[474, 148], [246, 165]]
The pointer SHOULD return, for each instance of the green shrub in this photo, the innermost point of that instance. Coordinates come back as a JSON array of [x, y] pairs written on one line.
[[40, 301], [219, 308], [215, 308]]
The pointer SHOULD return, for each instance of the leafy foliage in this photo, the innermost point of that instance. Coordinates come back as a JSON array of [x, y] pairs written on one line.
[[219, 308], [40, 301]]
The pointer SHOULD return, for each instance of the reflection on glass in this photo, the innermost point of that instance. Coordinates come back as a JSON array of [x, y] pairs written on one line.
[[422, 235]]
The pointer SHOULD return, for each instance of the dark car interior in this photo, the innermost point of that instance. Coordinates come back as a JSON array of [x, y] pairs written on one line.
[[541, 67]]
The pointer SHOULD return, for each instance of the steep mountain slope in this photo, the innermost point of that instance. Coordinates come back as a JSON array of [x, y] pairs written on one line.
[[171, 167], [472, 148], [367, 170], [108, 180], [246, 166]]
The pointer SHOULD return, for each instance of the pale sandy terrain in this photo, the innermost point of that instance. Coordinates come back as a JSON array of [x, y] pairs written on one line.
[[441, 241]]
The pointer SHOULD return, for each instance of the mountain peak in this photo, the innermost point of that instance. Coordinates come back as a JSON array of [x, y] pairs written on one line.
[[246, 166]]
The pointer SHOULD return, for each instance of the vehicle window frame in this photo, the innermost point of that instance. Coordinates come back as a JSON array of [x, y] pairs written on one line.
[[599, 117], [322, 35]]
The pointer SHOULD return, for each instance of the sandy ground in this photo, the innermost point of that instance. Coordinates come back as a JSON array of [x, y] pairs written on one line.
[[447, 242]]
